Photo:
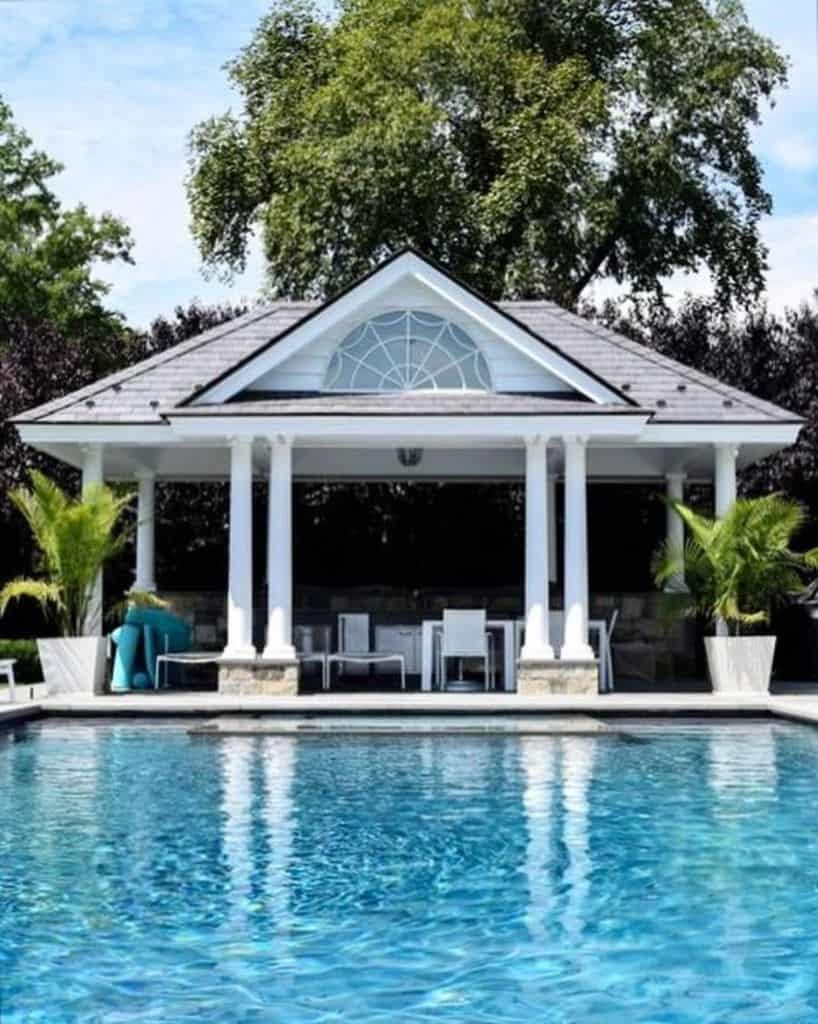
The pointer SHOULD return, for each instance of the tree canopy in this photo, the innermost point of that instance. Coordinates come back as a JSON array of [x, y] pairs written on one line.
[[774, 357], [47, 253], [530, 147]]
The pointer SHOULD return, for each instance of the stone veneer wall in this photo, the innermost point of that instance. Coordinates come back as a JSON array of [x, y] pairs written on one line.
[[258, 678], [546, 678]]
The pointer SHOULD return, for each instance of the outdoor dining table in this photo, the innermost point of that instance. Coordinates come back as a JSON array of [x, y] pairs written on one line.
[[512, 630]]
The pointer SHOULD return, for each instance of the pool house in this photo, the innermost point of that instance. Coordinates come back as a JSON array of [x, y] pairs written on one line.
[[409, 377]]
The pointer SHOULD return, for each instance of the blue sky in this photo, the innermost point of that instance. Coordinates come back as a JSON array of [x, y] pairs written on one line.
[[112, 89]]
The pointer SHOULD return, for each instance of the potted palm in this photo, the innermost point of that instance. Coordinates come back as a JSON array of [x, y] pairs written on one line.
[[737, 569], [75, 538]]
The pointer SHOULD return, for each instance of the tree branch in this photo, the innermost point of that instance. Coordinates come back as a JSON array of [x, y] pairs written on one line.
[[599, 256]]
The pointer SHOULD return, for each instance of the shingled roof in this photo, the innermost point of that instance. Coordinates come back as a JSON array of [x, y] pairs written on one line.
[[407, 403], [148, 391]]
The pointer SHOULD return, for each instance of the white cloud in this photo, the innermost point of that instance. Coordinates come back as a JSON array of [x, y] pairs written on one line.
[[112, 91], [788, 135], [791, 280], [794, 152], [793, 274]]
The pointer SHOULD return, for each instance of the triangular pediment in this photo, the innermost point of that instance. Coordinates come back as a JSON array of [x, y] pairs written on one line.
[[408, 289]]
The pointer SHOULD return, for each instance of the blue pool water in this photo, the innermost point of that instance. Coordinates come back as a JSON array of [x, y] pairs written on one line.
[[147, 875]]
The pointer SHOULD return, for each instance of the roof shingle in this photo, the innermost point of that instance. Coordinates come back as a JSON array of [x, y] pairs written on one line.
[[147, 391]]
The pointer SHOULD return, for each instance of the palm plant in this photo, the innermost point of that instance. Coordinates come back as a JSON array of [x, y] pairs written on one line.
[[739, 567], [75, 537]]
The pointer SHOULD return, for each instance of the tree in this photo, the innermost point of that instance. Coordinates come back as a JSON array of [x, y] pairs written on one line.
[[38, 364], [47, 253], [771, 357], [530, 147]]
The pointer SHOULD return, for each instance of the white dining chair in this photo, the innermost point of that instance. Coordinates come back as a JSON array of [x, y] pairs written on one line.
[[465, 636]]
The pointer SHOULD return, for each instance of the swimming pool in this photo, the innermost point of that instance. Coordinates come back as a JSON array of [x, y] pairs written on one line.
[[149, 875]]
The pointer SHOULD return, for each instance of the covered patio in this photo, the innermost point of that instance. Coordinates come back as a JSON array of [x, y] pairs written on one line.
[[457, 390]]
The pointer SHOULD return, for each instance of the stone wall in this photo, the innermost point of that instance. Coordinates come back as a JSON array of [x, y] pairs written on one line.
[[648, 644], [258, 678], [546, 678]]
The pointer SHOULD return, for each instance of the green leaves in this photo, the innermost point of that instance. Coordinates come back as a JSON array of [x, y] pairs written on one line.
[[47, 253], [75, 538], [531, 147], [738, 567]]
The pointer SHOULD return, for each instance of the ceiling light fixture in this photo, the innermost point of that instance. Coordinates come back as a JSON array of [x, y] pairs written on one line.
[[410, 457]]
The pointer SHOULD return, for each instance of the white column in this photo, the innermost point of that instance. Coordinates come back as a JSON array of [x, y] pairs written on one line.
[[552, 527], [280, 552], [575, 632], [725, 478], [240, 581], [92, 473], [537, 646], [724, 486], [675, 528], [145, 532]]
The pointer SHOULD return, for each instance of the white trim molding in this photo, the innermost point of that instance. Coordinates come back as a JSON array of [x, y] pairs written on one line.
[[446, 431]]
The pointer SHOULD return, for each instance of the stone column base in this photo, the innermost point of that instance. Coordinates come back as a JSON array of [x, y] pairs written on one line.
[[542, 678], [258, 678]]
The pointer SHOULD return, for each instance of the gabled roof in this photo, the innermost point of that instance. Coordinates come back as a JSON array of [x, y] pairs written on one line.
[[641, 379], [412, 267]]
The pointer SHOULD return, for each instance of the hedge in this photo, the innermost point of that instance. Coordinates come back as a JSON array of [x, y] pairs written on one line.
[[24, 652]]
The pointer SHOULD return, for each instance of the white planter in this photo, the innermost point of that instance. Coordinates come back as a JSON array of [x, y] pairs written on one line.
[[74, 664], [740, 664]]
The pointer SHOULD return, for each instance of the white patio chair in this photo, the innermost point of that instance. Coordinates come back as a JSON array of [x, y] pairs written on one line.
[[465, 636], [7, 670], [606, 655], [312, 644]]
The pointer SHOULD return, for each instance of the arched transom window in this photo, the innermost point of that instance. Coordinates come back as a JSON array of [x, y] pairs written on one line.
[[407, 350]]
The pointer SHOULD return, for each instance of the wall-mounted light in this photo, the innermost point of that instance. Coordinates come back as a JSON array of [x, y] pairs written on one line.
[[410, 457]]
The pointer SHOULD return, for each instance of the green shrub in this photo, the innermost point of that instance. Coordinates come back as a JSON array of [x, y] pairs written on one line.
[[24, 652]]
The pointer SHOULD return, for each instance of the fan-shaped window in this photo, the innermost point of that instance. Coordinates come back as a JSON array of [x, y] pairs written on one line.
[[407, 351]]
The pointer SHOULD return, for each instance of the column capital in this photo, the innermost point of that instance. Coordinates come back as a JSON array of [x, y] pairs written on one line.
[[579, 440], [145, 474], [729, 447], [236, 440], [280, 440], [676, 475]]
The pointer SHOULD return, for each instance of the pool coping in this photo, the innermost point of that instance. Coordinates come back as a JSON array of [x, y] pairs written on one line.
[[803, 709]]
